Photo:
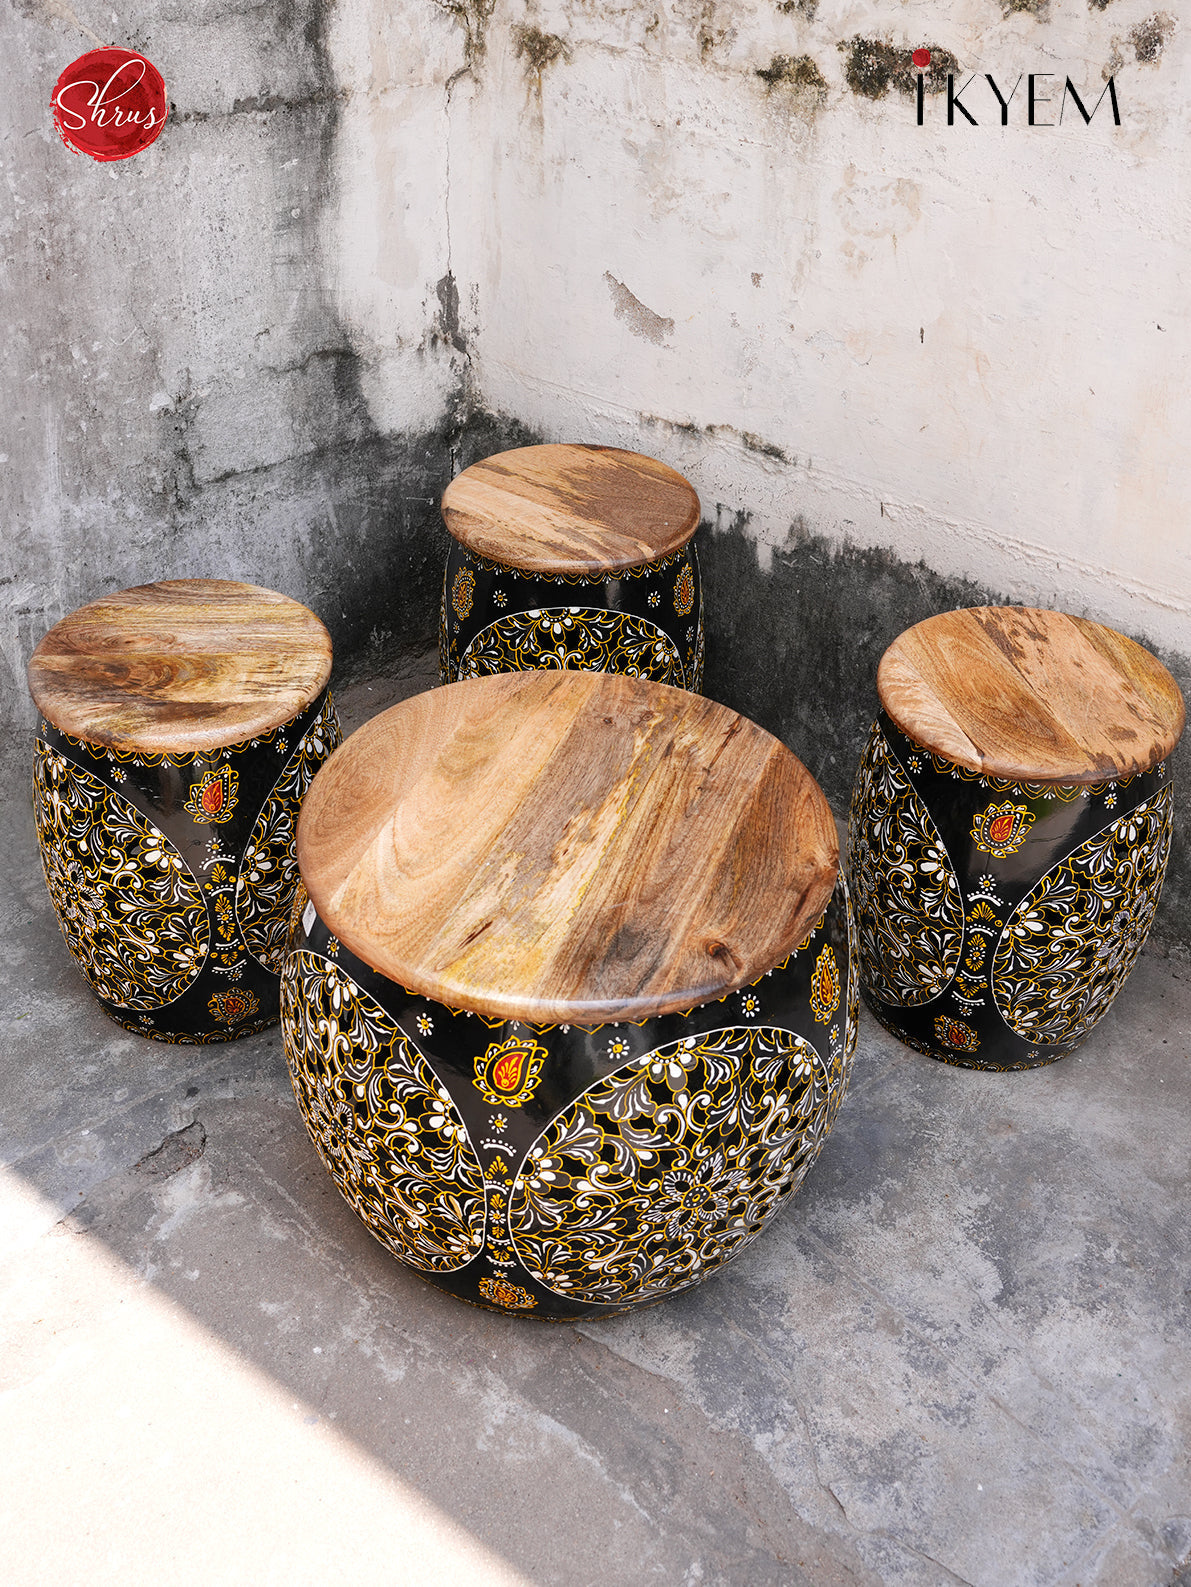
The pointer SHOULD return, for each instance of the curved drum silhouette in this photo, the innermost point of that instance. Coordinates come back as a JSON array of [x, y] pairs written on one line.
[[571, 1008], [572, 557], [1009, 831], [181, 724]]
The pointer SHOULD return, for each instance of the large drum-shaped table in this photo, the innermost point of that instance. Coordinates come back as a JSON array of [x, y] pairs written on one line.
[[571, 1008], [572, 557], [181, 724], [1009, 833]]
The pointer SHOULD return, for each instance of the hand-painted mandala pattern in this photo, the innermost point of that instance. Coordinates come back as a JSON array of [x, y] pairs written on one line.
[[269, 870], [130, 910], [1070, 944], [383, 1123], [574, 638], [656, 1175], [909, 908]]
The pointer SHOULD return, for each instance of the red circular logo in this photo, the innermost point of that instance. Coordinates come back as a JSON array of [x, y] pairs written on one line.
[[921, 57], [109, 104]]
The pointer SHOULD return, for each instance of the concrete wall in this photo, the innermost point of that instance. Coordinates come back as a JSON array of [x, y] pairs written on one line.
[[216, 360], [906, 366]]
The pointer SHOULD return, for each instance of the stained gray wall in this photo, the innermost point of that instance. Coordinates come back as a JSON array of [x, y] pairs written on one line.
[[184, 392]]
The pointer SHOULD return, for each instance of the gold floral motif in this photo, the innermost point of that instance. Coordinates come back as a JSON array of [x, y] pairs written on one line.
[[825, 985], [684, 591], [232, 1008], [502, 1293], [382, 1121], [268, 877], [575, 639], [130, 910], [642, 570], [956, 1033], [508, 1073], [1071, 942], [213, 798], [660, 1172], [1002, 829], [909, 909], [462, 592]]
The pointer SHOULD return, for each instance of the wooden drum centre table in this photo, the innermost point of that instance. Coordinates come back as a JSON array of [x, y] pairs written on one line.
[[1009, 832], [575, 557], [571, 1008], [181, 724]]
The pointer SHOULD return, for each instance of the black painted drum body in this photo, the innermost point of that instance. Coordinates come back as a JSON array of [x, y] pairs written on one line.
[[997, 920], [559, 1172], [173, 876], [645, 621]]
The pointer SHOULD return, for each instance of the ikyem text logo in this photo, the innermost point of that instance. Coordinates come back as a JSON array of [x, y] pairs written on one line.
[[981, 91]]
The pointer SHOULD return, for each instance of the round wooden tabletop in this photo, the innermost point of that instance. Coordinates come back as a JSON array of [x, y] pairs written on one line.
[[1032, 696], [186, 664], [571, 509], [567, 847]]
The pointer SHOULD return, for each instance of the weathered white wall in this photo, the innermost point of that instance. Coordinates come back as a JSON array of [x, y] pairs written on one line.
[[968, 344]]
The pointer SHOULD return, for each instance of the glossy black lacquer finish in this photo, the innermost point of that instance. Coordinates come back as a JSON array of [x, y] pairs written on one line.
[[646, 621]]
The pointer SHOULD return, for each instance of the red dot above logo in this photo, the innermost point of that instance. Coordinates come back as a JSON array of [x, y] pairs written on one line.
[[109, 104], [921, 57]]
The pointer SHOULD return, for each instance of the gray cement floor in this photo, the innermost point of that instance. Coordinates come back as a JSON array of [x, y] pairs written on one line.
[[962, 1354]]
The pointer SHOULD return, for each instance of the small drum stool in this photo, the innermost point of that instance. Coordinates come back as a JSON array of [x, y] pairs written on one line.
[[571, 1009], [182, 723], [1009, 831], [577, 557]]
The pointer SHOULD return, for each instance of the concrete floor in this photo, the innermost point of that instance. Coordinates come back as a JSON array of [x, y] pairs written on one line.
[[962, 1354]]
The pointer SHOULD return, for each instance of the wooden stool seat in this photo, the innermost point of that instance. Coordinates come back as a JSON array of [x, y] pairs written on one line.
[[1031, 695], [182, 723], [1010, 830], [567, 930], [572, 557], [185, 664], [578, 847], [580, 510]]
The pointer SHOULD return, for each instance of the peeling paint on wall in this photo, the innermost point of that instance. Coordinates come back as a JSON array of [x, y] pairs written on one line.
[[641, 321]]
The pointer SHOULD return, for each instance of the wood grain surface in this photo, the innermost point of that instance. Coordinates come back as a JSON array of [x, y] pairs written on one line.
[[571, 509], [1031, 695], [181, 665], [567, 846]]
